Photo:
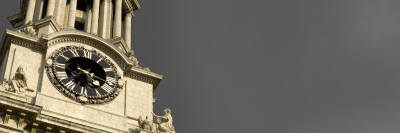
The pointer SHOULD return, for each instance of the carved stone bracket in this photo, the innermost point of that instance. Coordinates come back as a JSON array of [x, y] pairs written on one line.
[[34, 127], [29, 29], [21, 121], [8, 115], [132, 57]]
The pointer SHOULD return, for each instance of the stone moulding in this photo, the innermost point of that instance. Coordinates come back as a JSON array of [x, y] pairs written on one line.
[[133, 4], [71, 125], [31, 116], [11, 128], [48, 21], [154, 80], [16, 20], [71, 36], [41, 45]]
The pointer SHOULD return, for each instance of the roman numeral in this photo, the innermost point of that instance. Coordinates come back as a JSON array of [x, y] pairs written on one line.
[[87, 54], [70, 85], [75, 53], [83, 91], [108, 69], [97, 92], [107, 88], [60, 65], [62, 75], [98, 61], [110, 80], [82, 88], [66, 58]]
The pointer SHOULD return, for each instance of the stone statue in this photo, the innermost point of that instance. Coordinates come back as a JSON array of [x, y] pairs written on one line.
[[164, 123], [146, 124], [132, 57], [29, 29], [18, 84]]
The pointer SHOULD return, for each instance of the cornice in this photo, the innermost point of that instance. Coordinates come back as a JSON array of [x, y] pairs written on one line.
[[48, 21], [145, 76], [67, 35], [132, 4], [82, 37], [120, 42], [68, 124], [21, 39], [9, 100], [136, 4], [15, 20]]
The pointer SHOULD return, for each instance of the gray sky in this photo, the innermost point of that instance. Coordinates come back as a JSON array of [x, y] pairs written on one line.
[[273, 66]]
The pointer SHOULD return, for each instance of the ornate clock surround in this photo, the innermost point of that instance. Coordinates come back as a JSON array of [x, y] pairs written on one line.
[[51, 69]]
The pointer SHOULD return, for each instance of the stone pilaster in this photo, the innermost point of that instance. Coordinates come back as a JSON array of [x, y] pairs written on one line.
[[128, 28], [117, 19], [72, 12], [50, 7], [30, 11], [95, 19]]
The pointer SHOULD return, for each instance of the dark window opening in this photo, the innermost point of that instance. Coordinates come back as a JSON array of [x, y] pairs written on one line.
[[81, 5], [79, 26], [44, 9]]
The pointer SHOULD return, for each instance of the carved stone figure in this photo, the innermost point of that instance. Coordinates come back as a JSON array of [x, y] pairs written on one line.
[[146, 124], [132, 57], [18, 84], [164, 123], [29, 29]]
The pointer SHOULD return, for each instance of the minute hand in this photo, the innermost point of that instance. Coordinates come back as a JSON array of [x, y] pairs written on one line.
[[94, 76]]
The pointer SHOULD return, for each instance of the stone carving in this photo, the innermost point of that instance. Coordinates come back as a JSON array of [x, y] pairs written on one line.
[[164, 123], [18, 84], [147, 69], [29, 29], [132, 57], [145, 124]]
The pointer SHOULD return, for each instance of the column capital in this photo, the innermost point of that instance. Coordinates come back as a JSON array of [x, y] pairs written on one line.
[[129, 14]]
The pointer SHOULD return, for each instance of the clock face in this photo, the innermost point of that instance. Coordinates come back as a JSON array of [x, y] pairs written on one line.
[[85, 74]]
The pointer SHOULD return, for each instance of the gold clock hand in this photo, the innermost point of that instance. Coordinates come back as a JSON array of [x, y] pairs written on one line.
[[90, 75]]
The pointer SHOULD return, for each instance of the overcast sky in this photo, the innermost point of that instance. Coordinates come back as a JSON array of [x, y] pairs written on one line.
[[271, 66]]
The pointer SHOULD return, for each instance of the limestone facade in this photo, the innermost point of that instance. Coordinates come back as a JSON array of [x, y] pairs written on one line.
[[44, 26]]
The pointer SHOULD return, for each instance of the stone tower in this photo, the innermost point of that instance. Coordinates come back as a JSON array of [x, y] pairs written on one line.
[[67, 66]]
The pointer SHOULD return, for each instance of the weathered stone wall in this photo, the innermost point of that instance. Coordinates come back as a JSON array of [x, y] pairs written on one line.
[[139, 98], [32, 63]]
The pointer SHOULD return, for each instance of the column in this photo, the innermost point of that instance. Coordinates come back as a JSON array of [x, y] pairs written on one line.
[[117, 19], [95, 17], [50, 8], [128, 24], [72, 12], [30, 11]]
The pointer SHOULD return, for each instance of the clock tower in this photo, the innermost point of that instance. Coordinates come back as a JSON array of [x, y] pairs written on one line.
[[67, 66]]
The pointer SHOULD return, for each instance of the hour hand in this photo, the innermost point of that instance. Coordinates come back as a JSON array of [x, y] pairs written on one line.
[[95, 82]]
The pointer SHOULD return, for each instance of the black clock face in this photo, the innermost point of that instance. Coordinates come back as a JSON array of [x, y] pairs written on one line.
[[85, 73]]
